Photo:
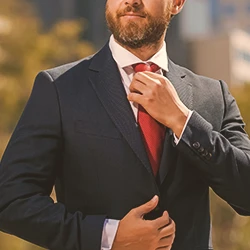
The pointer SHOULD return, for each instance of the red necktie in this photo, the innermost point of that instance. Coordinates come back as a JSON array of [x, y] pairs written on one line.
[[152, 131]]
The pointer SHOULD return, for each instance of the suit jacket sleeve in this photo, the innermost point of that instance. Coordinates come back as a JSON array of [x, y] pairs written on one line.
[[222, 157], [27, 175]]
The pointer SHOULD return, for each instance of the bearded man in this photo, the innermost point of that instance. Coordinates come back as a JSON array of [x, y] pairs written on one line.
[[132, 143]]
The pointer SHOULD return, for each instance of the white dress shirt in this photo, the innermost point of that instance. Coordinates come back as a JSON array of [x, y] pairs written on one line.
[[124, 60]]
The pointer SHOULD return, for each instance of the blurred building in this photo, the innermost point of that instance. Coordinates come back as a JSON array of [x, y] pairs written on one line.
[[196, 19], [202, 18], [191, 38], [225, 57], [216, 46], [231, 14], [91, 11]]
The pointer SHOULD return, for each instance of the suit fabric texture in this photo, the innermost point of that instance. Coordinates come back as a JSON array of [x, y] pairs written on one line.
[[78, 132]]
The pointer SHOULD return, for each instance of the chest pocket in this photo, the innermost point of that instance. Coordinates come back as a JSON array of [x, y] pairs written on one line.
[[97, 128]]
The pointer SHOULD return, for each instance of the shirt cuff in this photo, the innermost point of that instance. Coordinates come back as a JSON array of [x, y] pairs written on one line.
[[177, 140], [108, 234]]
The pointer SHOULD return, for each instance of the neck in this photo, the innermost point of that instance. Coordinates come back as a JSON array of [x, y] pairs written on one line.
[[145, 52]]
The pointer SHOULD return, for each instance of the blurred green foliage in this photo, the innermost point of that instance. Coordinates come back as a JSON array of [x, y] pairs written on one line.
[[231, 231], [25, 49]]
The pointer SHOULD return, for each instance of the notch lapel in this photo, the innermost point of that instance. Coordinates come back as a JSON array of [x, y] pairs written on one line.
[[106, 81], [184, 91]]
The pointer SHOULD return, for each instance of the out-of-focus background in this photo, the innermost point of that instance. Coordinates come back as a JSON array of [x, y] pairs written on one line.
[[210, 37]]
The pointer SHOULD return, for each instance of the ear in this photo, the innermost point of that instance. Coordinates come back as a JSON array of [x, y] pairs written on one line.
[[177, 6]]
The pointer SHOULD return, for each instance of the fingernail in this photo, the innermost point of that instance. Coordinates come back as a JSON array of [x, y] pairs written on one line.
[[155, 198]]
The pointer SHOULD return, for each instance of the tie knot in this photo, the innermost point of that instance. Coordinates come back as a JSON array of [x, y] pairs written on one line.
[[140, 67]]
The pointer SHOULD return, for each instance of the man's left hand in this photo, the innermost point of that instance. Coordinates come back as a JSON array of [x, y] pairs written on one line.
[[159, 98]]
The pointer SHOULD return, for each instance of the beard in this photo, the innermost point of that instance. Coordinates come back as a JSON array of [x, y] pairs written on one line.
[[136, 34]]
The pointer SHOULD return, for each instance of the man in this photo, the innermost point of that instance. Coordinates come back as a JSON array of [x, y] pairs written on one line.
[[132, 143]]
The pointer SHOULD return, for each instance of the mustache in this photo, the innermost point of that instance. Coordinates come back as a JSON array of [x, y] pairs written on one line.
[[132, 9]]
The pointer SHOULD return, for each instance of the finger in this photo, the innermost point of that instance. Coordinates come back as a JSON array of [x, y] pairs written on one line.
[[167, 241], [167, 230], [162, 221], [155, 76], [137, 87], [165, 248], [169, 222], [136, 97], [162, 79], [147, 207], [148, 80]]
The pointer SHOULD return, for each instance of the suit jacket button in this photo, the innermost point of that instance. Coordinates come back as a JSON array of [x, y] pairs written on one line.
[[201, 150], [205, 153], [209, 156], [196, 145]]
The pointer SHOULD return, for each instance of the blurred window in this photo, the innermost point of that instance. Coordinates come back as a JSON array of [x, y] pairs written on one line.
[[228, 9], [243, 55]]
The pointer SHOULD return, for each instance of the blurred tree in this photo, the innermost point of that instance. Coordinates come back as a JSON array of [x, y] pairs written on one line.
[[25, 49], [230, 230], [242, 95]]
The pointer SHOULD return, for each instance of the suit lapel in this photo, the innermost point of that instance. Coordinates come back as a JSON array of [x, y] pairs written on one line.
[[106, 81], [184, 90]]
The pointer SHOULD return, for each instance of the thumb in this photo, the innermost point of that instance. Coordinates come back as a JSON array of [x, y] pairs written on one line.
[[147, 207]]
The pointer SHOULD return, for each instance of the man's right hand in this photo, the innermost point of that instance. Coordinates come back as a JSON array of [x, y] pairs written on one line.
[[135, 233]]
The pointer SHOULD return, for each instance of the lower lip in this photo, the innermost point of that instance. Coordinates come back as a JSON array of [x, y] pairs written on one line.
[[132, 17]]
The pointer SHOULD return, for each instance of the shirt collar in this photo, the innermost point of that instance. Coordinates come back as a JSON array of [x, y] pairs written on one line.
[[125, 58]]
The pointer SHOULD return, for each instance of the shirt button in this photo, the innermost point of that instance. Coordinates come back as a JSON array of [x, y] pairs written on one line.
[[196, 145]]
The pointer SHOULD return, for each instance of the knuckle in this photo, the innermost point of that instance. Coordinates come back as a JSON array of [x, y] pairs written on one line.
[[162, 81], [133, 211], [174, 225], [150, 100], [166, 221], [154, 233], [173, 239], [155, 87], [158, 84], [153, 95]]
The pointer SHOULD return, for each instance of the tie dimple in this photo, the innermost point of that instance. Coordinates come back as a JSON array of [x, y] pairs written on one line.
[[152, 131], [140, 67]]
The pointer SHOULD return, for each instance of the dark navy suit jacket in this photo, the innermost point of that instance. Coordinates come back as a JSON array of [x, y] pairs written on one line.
[[78, 132]]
